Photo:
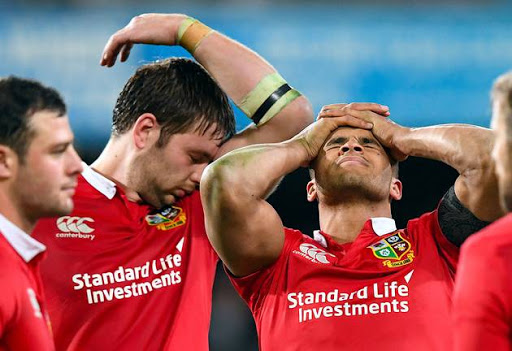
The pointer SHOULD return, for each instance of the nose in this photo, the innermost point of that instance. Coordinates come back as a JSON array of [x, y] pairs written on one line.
[[74, 166], [352, 145], [197, 173]]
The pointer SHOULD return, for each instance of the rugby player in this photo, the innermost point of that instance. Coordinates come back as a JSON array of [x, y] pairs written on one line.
[[38, 173], [131, 268], [359, 283], [483, 293]]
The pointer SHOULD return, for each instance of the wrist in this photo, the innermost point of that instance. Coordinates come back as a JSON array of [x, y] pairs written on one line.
[[191, 33], [299, 150], [402, 139]]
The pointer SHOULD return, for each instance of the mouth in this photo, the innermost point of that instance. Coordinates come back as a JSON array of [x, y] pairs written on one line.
[[181, 193], [352, 160], [70, 190]]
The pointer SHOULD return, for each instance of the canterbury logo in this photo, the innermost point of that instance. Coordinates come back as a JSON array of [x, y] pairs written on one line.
[[315, 253], [75, 224]]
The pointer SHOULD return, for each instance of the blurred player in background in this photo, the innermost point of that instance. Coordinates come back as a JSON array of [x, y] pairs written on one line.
[[132, 268], [38, 173], [359, 284], [483, 293]]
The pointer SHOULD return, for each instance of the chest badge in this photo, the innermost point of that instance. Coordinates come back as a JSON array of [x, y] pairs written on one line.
[[394, 250], [167, 218]]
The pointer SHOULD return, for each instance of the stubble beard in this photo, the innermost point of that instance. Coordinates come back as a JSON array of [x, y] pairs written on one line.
[[354, 187]]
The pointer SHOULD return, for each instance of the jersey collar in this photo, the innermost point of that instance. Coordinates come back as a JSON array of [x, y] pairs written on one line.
[[25, 245], [380, 225], [99, 182], [383, 225]]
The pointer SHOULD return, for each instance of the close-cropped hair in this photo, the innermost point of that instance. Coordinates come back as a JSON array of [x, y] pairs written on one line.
[[19, 100], [180, 94]]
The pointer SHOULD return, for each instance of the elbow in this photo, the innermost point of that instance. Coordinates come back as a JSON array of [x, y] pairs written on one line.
[[212, 178], [217, 185]]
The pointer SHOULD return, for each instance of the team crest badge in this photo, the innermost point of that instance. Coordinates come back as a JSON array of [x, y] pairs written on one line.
[[167, 218], [394, 250]]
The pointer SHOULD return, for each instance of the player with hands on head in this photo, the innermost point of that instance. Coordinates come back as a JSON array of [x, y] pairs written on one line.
[[359, 275]]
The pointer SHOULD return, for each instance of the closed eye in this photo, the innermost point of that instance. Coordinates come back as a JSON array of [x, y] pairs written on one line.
[[199, 158], [335, 143], [60, 148]]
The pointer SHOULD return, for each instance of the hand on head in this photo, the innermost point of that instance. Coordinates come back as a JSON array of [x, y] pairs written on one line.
[[313, 137], [384, 129]]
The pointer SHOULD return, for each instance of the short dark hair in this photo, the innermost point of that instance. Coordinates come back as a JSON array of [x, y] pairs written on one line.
[[20, 99], [180, 93]]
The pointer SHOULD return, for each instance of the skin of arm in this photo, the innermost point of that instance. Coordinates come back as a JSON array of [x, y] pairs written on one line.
[[236, 68], [244, 229], [466, 148]]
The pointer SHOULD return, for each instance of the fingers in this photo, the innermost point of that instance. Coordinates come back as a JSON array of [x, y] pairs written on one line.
[[125, 52], [334, 110], [365, 115], [348, 121], [114, 45]]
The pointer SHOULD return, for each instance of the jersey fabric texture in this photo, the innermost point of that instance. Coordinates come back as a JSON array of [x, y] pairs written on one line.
[[24, 323], [483, 291], [122, 276], [387, 289]]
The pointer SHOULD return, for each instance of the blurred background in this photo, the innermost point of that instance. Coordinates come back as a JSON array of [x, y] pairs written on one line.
[[430, 61]]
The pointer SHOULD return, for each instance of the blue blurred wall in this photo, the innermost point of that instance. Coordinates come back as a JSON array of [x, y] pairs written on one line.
[[430, 64]]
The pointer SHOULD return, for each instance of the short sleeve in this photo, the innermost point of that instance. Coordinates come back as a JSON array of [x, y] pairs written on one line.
[[254, 287]]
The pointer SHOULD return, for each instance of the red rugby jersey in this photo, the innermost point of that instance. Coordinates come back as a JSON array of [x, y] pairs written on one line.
[[483, 290], [120, 277], [24, 323], [387, 290]]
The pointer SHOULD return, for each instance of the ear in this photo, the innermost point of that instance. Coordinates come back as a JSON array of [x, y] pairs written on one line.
[[395, 189], [311, 190], [8, 162], [146, 131]]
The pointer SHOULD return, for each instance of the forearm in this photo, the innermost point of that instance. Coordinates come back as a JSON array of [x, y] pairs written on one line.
[[235, 67], [252, 172], [467, 149], [463, 147], [251, 82]]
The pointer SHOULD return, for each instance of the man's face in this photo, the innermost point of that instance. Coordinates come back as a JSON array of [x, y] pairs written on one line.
[[47, 178], [502, 153], [163, 175], [353, 162]]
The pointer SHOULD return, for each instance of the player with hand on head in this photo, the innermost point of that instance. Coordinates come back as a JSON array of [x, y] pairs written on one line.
[[359, 283], [140, 277]]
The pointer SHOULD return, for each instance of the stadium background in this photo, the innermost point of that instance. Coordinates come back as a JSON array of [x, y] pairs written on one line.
[[430, 61]]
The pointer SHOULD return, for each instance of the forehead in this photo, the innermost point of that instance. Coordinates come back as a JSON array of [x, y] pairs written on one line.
[[197, 140], [350, 132], [49, 125]]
